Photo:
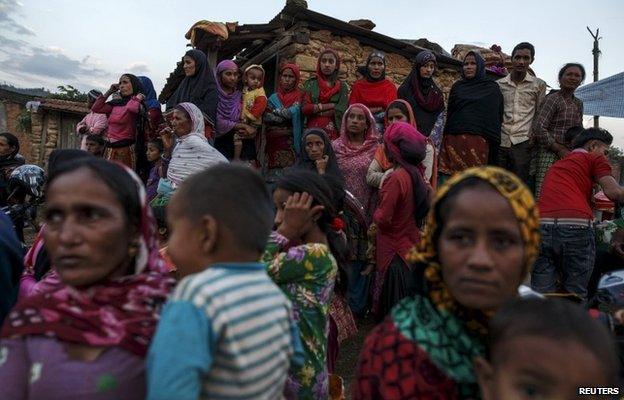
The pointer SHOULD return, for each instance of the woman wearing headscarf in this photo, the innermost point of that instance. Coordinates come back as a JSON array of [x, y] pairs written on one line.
[[93, 123], [317, 154], [559, 111], [402, 207], [374, 90], [354, 150], [325, 95], [123, 116], [422, 93], [154, 112], [229, 112], [10, 158], [472, 133], [471, 265], [192, 152], [198, 87], [283, 125], [400, 111], [87, 338]]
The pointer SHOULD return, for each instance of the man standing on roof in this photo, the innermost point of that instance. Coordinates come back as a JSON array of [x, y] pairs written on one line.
[[522, 93], [568, 247]]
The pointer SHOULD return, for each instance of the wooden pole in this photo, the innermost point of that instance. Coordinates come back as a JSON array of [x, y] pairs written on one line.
[[596, 53]]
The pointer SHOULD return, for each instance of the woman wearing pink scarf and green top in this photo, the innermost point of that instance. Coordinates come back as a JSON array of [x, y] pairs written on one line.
[[229, 113]]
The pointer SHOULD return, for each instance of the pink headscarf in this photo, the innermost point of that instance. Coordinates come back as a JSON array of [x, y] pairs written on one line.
[[120, 312], [230, 104], [408, 148], [354, 160]]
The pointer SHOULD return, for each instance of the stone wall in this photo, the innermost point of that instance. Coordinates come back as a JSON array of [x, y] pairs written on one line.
[[11, 112], [352, 55]]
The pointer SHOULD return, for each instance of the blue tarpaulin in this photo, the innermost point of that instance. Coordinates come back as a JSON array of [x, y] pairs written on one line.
[[604, 98]]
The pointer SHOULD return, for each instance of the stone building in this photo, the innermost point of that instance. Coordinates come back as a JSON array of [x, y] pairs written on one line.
[[299, 34], [40, 124]]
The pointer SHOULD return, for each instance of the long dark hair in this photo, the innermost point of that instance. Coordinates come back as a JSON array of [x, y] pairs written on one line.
[[298, 181]]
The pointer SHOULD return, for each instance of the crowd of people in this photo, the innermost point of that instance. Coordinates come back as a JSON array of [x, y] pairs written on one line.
[[226, 247]]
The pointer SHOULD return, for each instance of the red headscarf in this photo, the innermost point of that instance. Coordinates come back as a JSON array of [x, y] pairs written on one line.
[[325, 91], [292, 96], [408, 147], [121, 312]]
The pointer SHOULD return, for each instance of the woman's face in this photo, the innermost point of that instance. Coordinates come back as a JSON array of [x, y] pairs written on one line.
[[288, 79], [571, 79], [470, 67], [328, 64], [376, 67], [229, 78], [189, 66], [315, 147], [356, 121], [426, 70], [396, 115], [5, 149], [125, 86], [86, 233], [181, 123], [280, 196], [482, 257]]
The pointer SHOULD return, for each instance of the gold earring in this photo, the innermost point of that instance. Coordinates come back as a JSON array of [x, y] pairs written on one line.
[[133, 249]]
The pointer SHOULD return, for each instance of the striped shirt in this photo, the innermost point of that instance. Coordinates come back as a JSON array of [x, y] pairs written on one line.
[[226, 333]]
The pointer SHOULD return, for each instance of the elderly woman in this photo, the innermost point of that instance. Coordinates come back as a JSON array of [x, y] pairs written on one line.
[[472, 133], [186, 151], [374, 90], [198, 87], [87, 337], [325, 95], [560, 111], [282, 124], [472, 264], [123, 115]]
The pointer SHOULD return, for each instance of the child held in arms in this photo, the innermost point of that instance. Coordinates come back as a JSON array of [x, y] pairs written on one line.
[[254, 104]]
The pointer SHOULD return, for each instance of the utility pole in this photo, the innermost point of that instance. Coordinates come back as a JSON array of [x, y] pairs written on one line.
[[596, 53]]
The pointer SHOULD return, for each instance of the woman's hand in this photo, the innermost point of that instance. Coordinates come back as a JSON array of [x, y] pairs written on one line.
[[140, 97], [113, 88], [321, 164], [369, 268], [560, 149], [247, 131], [166, 134], [299, 216]]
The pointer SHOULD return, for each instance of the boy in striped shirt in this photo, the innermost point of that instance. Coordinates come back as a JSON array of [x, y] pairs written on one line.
[[227, 331]]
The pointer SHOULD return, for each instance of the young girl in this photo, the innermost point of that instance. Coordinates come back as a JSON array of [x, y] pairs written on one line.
[[154, 156], [254, 104]]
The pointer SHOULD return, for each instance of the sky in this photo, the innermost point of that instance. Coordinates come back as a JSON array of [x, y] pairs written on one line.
[[46, 43]]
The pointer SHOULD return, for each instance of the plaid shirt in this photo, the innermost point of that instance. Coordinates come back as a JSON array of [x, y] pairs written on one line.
[[556, 115]]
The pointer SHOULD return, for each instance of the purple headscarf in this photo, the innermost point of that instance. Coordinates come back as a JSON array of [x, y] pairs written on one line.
[[230, 104]]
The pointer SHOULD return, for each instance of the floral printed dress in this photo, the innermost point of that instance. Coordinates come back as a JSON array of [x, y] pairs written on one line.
[[306, 274]]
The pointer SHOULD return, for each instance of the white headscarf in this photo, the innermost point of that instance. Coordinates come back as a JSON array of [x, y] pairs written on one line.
[[192, 153]]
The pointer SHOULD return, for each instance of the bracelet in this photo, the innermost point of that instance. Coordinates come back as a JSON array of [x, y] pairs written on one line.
[[320, 107]]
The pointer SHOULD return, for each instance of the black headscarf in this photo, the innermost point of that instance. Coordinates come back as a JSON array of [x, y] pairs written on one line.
[[425, 97], [305, 162], [13, 159], [476, 107], [136, 89], [199, 89], [366, 71]]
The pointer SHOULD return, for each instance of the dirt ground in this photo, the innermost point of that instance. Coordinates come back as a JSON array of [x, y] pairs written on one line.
[[350, 352]]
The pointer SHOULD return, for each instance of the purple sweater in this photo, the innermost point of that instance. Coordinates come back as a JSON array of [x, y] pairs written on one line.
[[38, 368]]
